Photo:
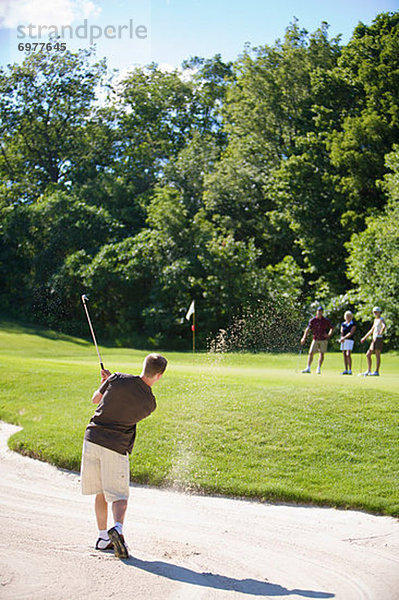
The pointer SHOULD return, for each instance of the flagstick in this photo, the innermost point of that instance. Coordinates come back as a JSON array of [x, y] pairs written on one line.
[[193, 331]]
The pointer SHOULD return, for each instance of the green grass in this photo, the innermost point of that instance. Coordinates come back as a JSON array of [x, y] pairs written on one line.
[[242, 425]]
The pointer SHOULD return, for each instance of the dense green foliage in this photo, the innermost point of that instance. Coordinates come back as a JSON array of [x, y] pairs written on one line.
[[235, 424], [232, 183], [374, 255]]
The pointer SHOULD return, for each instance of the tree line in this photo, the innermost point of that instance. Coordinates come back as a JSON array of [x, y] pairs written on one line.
[[272, 180]]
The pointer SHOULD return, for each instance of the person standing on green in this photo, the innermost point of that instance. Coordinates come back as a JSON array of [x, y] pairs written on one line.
[[377, 331], [348, 328], [322, 331]]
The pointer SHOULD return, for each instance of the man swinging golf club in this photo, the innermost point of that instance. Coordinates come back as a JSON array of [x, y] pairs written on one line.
[[122, 401]]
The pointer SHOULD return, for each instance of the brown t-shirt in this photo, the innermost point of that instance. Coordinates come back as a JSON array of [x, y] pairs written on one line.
[[126, 401]]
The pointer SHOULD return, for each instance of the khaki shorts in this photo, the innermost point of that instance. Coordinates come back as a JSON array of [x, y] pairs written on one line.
[[377, 344], [104, 471], [319, 346]]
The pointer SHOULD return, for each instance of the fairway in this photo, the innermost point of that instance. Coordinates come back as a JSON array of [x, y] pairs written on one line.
[[240, 424]]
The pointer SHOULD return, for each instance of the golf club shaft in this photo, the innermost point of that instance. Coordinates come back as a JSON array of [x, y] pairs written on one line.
[[299, 358], [93, 335]]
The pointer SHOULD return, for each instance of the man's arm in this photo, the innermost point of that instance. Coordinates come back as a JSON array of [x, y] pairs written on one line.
[[305, 335], [329, 334], [96, 397]]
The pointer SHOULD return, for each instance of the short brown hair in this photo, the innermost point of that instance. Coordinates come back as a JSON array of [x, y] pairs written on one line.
[[154, 364]]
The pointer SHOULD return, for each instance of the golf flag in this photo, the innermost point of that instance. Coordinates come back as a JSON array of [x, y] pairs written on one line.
[[191, 310]]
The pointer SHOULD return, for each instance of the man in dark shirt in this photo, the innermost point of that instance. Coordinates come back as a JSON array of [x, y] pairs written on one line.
[[122, 401], [322, 331]]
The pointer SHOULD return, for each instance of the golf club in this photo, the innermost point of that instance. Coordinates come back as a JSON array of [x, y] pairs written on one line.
[[84, 300], [299, 359], [361, 363]]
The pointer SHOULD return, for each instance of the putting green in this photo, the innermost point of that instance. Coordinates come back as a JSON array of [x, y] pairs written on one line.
[[240, 424]]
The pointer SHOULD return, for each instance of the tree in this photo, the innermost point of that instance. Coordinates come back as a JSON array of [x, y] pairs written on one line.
[[373, 263], [234, 184], [274, 172], [305, 197], [154, 120], [211, 79], [37, 239], [369, 66], [44, 108]]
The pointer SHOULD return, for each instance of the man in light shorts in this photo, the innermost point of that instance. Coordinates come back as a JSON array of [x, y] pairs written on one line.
[[322, 331], [377, 331], [348, 328], [122, 401]]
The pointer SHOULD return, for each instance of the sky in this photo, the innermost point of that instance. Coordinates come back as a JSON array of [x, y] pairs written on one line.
[[137, 32]]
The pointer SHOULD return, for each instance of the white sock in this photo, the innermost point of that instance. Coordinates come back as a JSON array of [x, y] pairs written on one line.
[[118, 526], [103, 534]]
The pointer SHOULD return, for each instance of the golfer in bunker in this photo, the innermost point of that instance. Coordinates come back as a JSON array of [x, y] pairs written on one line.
[[122, 401]]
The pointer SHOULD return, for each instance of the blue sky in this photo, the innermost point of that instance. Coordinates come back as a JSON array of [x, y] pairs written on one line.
[[172, 30]]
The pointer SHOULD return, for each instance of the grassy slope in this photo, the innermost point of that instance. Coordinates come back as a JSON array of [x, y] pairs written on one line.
[[248, 425]]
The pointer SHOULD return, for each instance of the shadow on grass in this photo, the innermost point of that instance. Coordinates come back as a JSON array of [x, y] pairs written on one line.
[[252, 587], [11, 327]]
